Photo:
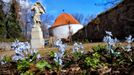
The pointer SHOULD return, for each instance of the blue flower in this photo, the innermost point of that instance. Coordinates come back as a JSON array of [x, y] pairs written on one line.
[[129, 40], [57, 58]]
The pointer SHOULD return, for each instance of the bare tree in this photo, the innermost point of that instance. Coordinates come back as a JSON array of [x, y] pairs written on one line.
[[79, 17], [87, 19], [83, 19], [45, 31], [47, 19], [47, 22], [108, 2]]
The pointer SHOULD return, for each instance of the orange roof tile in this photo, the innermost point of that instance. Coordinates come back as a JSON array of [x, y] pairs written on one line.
[[64, 19]]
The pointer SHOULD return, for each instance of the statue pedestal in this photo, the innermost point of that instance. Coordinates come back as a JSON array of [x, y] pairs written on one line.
[[37, 40]]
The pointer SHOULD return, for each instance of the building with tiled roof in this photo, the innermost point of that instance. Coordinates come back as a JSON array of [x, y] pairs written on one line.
[[64, 25]]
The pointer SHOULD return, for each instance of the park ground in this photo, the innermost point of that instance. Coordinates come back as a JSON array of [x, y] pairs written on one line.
[[47, 49]]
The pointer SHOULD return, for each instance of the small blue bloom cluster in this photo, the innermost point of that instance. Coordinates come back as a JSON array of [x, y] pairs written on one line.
[[77, 47], [110, 42], [61, 50], [129, 40], [22, 50]]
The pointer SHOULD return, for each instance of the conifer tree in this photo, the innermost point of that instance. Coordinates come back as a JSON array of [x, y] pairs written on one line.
[[9, 26], [2, 28], [12, 25]]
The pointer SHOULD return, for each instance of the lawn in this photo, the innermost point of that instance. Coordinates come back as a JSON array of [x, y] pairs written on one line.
[[96, 60], [47, 49]]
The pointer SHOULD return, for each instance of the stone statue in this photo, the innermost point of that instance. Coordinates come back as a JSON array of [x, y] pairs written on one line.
[[38, 11], [37, 40]]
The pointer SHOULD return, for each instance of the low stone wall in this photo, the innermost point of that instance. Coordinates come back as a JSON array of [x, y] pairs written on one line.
[[5, 45]]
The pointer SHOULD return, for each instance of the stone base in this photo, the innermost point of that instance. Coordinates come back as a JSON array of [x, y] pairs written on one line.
[[37, 40]]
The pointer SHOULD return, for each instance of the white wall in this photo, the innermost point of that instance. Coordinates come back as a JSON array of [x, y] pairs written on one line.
[[63, 31]]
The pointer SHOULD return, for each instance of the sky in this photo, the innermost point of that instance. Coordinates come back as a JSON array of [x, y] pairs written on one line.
[[85, 7]]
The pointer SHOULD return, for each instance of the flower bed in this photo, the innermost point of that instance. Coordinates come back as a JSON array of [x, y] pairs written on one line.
[[110, 59], [93, 62]]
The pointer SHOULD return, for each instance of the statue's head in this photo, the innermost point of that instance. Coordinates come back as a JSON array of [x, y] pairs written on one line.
[[38, 4]]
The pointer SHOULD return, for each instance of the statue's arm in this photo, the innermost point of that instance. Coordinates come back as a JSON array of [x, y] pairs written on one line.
[[42, 9], [33, 8]]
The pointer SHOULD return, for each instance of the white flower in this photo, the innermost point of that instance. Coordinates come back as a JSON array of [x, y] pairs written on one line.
[[57, 58], [22, 49], [109, 33], [20, 45], [1, 60], [2, 63], [129, 39], [128, 47], [38, 56], [17, 57], [82, 51], [31, 52], [62, 48], [110, 41], [58, 42], [35, 51], [75, 47], [30, 60], [60, 62], [81, 46]]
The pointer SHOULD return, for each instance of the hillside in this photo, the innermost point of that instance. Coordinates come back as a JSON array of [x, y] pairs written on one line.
[[119, 20]]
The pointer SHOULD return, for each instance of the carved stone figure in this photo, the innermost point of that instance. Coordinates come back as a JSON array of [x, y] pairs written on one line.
[[37, 40], [38, 11]]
